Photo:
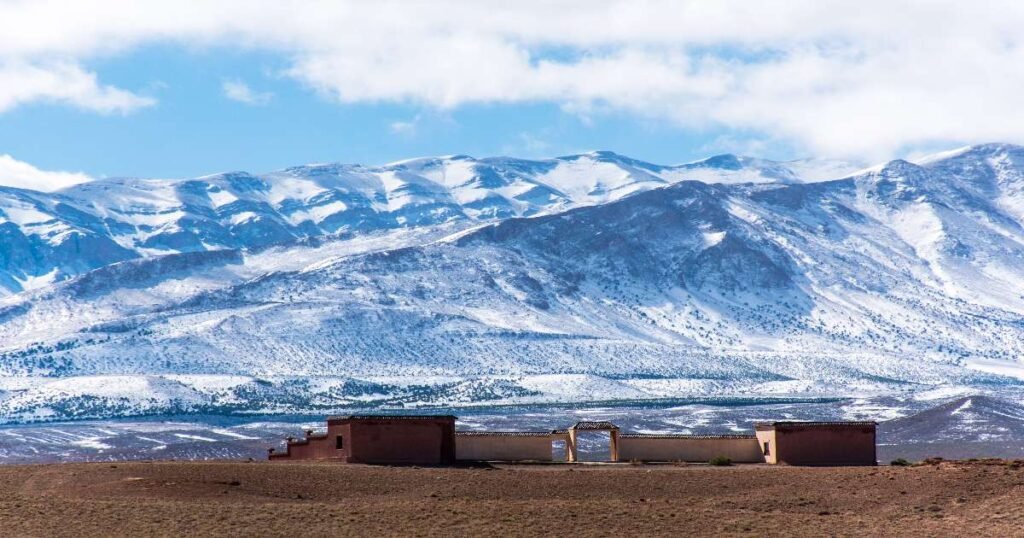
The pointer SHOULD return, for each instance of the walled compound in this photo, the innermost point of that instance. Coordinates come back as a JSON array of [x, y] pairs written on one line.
[[433, 440]]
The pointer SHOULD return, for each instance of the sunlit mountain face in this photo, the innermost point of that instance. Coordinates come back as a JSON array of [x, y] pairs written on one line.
[[454, 280]]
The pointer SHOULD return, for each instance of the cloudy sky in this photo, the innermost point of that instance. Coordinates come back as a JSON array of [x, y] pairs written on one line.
[[151, 88]]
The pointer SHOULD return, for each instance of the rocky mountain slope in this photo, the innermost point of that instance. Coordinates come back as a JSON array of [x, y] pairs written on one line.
[[970, 419], [49, 237], [459, 281]]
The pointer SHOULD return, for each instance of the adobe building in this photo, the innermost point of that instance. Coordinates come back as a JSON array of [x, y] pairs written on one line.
[[503, 446], [817, 443], [380, 439]]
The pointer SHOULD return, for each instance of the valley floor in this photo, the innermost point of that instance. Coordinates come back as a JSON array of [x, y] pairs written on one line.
[[263, 499]]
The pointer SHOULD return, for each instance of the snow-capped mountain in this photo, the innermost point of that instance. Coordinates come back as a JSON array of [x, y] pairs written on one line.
[[455, 280], [970, 419], [48, 237]]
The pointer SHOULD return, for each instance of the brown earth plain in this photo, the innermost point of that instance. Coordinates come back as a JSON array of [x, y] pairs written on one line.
[[982, 498]]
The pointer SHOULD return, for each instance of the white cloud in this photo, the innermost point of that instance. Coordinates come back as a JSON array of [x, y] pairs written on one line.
[[410, 127], [15, 173], [867, 78], [405, 128], [236, 90], [62, 82]]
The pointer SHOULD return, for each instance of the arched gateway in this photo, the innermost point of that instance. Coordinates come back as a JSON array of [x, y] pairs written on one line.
[[570, 436]]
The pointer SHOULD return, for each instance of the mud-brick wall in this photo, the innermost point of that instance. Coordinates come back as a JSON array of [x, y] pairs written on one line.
[[401, 441], [309, 449], [324, 446], [693, 449], [503, 447], [822, 445]]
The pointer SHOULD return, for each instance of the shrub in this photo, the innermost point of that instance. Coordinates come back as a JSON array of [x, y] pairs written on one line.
[[720, 461], [900, 462]]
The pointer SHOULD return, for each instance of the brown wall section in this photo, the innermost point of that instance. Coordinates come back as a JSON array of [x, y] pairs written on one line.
[[311, 448], [794, 443], [500, 446], [379, 439], [688, 448], [384, 441]]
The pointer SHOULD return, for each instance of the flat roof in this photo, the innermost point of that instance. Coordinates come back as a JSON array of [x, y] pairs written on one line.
[[828, 424], [391, 417]]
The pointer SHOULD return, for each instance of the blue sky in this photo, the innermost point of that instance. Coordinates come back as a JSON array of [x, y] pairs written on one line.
[[195, 129], [151, 88]]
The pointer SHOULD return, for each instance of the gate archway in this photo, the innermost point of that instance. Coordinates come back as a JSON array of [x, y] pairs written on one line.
[[571, 438]]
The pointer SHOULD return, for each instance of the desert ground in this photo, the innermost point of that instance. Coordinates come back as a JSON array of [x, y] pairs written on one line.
[[325, 499]]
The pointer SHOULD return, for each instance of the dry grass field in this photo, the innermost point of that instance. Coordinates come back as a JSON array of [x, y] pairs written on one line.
[[322, 499]]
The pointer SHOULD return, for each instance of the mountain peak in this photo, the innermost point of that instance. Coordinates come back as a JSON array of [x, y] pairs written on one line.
[[894, 169], [978, 150], [599, 155], [899, 165], [971, 418], [724, 161], [996, 147]]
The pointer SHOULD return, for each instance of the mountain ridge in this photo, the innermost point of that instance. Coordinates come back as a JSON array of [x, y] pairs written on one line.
[[52, 236], [897, 279]]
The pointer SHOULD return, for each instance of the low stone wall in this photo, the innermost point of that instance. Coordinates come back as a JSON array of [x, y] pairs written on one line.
[[690, 448], [503, 446]]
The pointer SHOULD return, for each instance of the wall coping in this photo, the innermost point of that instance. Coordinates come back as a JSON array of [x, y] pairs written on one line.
[[594, 425], [501, 434], [683, 436], [762, 426], [343, 418]]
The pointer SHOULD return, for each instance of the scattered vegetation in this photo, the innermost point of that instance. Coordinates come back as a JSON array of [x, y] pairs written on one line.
[[900, 462], [720, 461]]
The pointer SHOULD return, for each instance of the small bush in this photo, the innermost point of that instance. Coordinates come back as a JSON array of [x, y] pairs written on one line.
[[720, 461], [900, 462]]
